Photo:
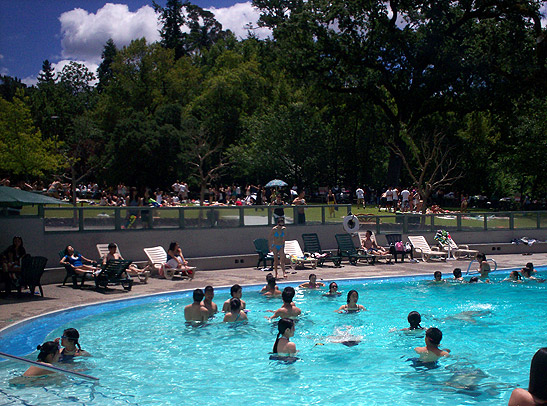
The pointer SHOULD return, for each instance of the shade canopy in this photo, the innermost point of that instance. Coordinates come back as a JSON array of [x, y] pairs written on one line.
[[12, 197], [275, 183]]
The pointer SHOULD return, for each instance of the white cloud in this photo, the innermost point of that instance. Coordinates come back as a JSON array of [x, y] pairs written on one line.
[[237, 17], [84, 34], [30, 80], [543, 11]]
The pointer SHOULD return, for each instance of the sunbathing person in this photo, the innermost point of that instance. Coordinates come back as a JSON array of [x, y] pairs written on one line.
[[288, 310], [208, 300], [71, 346], [196, 311], [175, 259], [351, 306], [431, 352], [76, 261], [132, 270], [235, 313], [537, 386], [414, 319], [235, 291], [312, 284], [370, 245], [49, 353], [271, 287], [333, 290]]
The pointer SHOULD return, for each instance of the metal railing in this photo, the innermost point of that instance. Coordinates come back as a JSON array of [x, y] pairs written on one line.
[[139, 218]]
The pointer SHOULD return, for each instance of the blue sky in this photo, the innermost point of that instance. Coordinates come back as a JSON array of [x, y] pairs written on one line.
[[63, 30]]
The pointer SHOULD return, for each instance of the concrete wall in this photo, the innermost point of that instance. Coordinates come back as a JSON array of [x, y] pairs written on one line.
[[228, 246]]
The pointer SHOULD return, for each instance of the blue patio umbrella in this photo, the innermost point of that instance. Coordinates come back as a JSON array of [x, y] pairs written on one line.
[[275, 183]]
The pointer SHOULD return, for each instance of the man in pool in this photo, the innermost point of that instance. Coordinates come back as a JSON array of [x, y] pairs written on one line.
[[208, 300], [457, 272], [431, 352], [196, 311], [288, 310], [312, 284], [235, 291]]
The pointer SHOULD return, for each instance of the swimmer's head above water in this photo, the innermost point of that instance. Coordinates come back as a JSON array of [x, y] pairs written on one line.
[[433, 335], [438, 276], [288, 294], [414, 319]]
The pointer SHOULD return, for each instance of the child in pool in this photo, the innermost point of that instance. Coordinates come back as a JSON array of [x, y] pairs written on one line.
[[49, 353], [71, 346], [438, 278], [514, 276], [457, 272], [431, 352], [235, 313], [414, 319], [527, 274]]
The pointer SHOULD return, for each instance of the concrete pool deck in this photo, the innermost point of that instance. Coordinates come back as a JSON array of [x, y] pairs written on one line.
[[56, 296]]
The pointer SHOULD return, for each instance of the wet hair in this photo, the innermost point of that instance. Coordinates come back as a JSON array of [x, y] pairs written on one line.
[[516, 273], [235, 304], [312, 274], [414, 319], [457, 272], [437, 273], [351, 292], [481, 256], [282, 326], [288, 294], [198, 295], [47, 348], [209, 288], [530, 265], [474, 279], [172, 245], [270, 280], [112, 245], [538, 374], [332, 284], [434, 334], [235, 288], [526, 272], [72, 334]]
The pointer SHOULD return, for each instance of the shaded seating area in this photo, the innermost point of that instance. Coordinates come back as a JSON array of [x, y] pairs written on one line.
[[157, 259], [397, 247], [114, 273], [32, 269], [263, 251], [421, 246], [313, 246], [347, 249], [297, 257]]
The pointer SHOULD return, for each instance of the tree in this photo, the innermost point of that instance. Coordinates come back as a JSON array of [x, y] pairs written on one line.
[[9, 87], [104, 71], [47, 75], [22, 150], [172, 21]]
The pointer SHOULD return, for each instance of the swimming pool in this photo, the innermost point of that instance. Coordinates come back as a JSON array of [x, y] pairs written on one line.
[[145, 354]]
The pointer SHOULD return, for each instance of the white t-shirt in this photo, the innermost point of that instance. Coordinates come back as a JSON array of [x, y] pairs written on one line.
[[404, 194], [360, 193], [395, 195], [389, 195]]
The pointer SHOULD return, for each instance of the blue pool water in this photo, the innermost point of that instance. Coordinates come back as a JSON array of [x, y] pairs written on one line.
[[145, 354]]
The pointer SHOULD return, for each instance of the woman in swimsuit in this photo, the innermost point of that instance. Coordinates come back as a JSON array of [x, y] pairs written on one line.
[[49, 353], [282, 345], [333, 290], [277, 244], [484, 266], [71, 346], [351, 306], [312, 284], [537, 388], [176, 260], [77, 261], [235, 313]]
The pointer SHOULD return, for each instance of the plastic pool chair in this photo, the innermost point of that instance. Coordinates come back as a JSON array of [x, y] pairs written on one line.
[[347, 249], [114, 272], [393, 239], [312, 245], [297, 257], [420, 245], [32, 269], [157, 257], [263, 251], [460, 251]]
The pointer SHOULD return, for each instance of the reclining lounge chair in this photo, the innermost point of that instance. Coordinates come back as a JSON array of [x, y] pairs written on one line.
[[346, 249], [114, 272], [157, 258], [420, 245], [312, 245], [297, 257]]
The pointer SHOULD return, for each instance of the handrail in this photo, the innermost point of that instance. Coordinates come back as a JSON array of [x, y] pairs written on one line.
[[469, 266]]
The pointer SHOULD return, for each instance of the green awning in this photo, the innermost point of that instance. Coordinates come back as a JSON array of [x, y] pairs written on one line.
[[12, 197]]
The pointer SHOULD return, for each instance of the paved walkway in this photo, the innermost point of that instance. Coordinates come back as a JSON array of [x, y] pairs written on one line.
[[57, 297]]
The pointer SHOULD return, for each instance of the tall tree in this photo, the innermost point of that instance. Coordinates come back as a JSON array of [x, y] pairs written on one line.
[[47, 75], [172, 21], [104, 71]]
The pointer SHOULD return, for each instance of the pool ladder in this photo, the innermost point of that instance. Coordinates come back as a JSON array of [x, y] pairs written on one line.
[[488, 260]]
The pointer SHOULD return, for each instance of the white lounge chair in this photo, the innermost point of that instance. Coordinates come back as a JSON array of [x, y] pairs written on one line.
[[157, 258], [420, 245], [460, 251], [296, 256]]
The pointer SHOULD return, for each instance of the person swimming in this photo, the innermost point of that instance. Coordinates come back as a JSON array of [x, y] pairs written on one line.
[[457, 272], [351, 306], [271, 286], [49, 353], [527, 274], [414, 319], [514, 276], [288, 310], [283, 346], [71, 346], [484, 266], [235, 313], [431, 352], [333, 290], [438, 277], [312, 284], [537, 387]]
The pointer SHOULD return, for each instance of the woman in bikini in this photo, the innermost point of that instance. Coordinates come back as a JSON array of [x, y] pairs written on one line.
[[235, 313], [351, 306], [333, 290], [484, 266], [312, 284], [277, 244]]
